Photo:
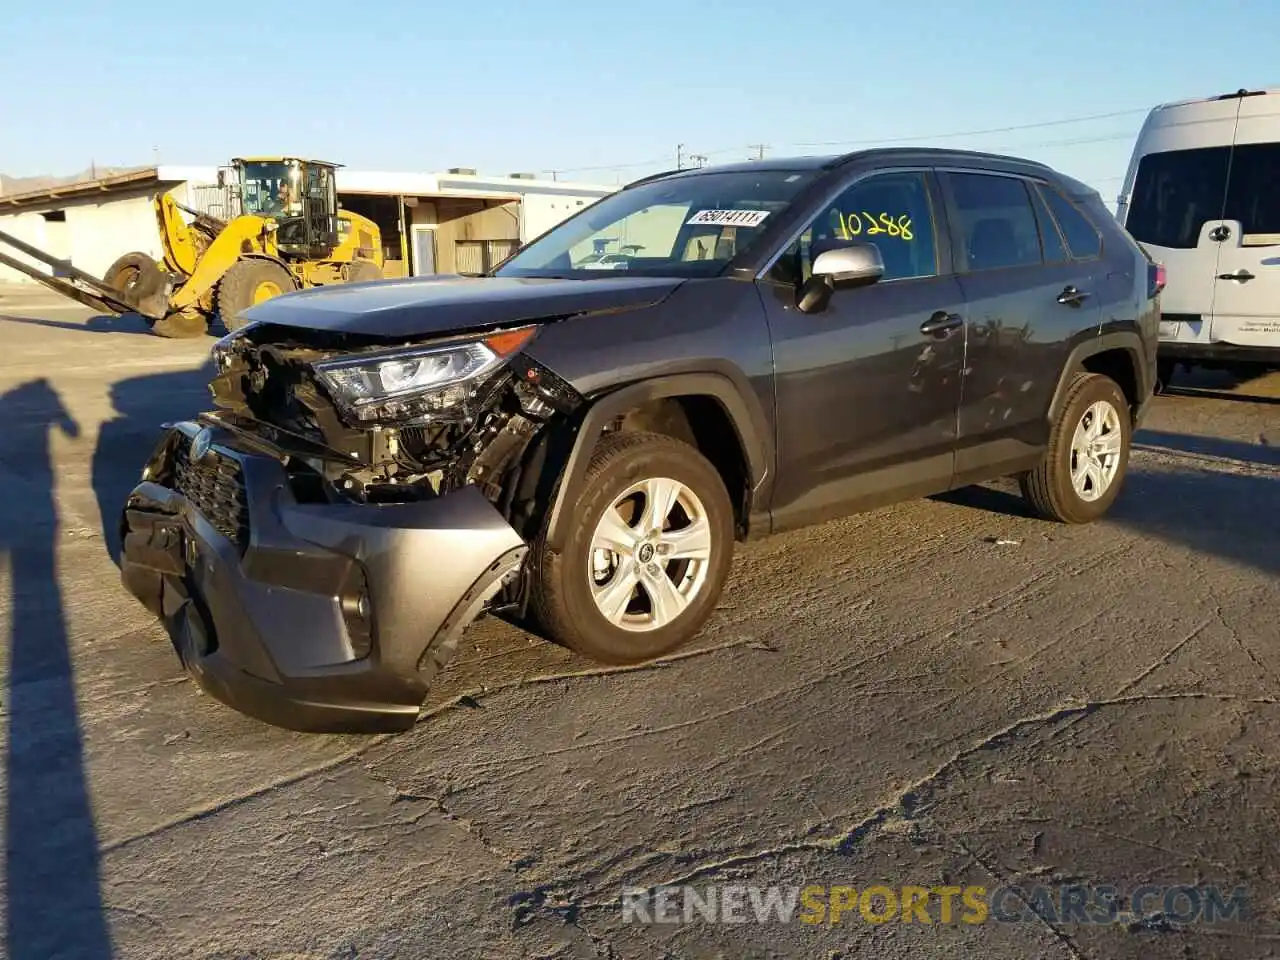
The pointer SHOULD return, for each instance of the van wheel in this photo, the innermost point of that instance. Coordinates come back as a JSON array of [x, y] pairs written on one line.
[[1088, 454], [648, 554]]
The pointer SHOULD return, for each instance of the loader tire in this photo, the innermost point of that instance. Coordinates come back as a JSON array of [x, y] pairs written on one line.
[[180, 325], [247, 283], [125, 273], [362, 271]]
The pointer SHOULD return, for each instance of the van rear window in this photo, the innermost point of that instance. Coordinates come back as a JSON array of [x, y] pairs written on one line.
[[1175, 193], [1253, 193]]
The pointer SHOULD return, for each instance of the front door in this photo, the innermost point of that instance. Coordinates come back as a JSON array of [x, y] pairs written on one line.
[[866, 402]]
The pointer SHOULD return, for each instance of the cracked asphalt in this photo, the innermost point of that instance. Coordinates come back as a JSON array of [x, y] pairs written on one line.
[[944, 692]]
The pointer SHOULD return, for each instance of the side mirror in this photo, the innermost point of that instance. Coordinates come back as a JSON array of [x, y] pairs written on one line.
[[853, 266], [843, 267]]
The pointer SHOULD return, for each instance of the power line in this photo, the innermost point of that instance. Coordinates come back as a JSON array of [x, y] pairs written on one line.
[[977, 133], [886, 141]]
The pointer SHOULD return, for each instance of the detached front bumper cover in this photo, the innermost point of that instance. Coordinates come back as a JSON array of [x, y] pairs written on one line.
[[318, 617]]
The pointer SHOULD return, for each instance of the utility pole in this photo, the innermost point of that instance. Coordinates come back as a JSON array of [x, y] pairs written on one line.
[[679, 156], [759, 148]]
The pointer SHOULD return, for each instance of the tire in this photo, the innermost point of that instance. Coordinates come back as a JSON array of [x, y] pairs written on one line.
[[362, 271], [249, 282], [128, 270], [180, 325], [1049, 488], [562, 594]]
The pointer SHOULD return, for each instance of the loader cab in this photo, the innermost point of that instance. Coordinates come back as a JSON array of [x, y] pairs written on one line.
[[299, 196]]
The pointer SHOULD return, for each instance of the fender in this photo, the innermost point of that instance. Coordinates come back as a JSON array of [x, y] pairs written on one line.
[[743, 410], [1126, 340]]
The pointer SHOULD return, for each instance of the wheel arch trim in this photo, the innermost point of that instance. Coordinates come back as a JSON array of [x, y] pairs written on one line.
[[1126, 340], [746, 417]]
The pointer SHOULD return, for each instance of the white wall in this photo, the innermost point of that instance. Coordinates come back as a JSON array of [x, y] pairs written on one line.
[[542, 211], [93, 235]]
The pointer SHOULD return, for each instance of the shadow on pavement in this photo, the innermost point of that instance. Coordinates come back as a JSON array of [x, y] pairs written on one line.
[[1207, 446], [1220, 384], [103, 323], [1234, 516], [54, 896], [141, 406]]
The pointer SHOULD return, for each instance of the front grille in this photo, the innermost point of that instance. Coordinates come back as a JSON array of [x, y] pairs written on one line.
[[215, 487]]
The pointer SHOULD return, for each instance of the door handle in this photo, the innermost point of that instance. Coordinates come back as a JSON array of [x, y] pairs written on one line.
[[941, 323], [1243, 275], [1071, 296]]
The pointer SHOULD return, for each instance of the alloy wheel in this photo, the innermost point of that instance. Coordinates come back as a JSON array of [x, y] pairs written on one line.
[[1095, 450], [650, 554]]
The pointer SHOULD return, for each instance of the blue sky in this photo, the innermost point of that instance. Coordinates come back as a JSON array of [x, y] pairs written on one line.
[[604, 91]]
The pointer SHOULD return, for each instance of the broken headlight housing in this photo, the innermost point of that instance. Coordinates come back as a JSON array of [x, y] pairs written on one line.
[[416, 383]]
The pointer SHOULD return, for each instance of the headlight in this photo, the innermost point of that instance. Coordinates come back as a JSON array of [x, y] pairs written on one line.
[[420, 381]]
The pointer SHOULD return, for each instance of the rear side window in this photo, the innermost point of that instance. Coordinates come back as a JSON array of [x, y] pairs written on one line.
[[1175, 193], [1253, 193], [1055, 250], [995, 220], [1081, 235]]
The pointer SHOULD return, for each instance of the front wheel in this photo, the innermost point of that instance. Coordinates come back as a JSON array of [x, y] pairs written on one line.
[[247, 283], [648, 555], [1088, 454]]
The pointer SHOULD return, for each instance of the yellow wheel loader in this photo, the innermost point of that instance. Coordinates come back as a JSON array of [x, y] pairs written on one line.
[[288, 234]]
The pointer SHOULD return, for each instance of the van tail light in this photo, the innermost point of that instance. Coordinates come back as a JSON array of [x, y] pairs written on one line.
[[1155, 279]]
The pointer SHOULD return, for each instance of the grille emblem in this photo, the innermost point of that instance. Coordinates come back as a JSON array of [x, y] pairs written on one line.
[[201, 444]]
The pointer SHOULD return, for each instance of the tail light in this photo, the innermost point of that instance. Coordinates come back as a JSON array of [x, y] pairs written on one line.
[[1156, 279]]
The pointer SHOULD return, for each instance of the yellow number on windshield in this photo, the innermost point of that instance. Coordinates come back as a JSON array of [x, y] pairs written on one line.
[[876, 224]]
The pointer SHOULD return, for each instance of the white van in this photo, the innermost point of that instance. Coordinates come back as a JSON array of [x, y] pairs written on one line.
[[1202, 195]]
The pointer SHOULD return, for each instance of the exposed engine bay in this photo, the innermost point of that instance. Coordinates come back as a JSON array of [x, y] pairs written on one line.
[[305, 394]]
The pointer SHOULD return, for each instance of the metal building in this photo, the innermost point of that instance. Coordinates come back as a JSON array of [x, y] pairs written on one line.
[[455, 221]]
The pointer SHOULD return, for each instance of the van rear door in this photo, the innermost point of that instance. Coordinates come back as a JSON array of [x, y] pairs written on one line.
[[1174, 202], [1246, 300]]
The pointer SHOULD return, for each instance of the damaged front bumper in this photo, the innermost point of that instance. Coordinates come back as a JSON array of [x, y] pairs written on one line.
[[316, 616]]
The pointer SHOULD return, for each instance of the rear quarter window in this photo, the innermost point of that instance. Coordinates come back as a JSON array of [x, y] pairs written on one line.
[[1083, 239]]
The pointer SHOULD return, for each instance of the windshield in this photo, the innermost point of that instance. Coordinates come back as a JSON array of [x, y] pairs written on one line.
[[686, 227], [271, 189]]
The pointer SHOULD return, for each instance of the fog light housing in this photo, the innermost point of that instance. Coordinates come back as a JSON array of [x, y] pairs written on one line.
[[357, 614]]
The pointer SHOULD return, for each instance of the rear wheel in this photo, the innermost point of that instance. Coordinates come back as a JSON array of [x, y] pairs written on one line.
[[247, 283], [647, 556], [362, 271], [1088, 454]]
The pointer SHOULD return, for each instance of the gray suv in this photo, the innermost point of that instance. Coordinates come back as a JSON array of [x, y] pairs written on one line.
[[576, 441]]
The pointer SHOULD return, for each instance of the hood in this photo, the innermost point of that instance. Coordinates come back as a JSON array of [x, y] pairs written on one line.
[[429, 306]]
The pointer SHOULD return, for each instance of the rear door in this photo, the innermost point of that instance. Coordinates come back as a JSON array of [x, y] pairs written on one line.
[[1027, 300], [1175, 212], [1246, 300], [1173, 205]]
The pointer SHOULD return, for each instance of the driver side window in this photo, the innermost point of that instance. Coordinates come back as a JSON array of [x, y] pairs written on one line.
[[891, 210]]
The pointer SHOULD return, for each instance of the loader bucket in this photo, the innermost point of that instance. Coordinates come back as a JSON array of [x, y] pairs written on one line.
[[149, 296]]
